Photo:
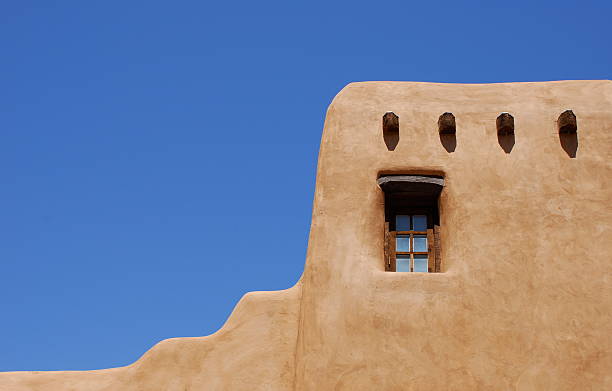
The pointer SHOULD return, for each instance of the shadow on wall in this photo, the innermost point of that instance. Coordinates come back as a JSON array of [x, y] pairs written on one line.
[[569, 143], [449, 142], [506, 141], [391, 140]]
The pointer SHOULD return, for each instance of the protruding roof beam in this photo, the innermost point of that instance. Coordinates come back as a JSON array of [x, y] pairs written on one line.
[[505, 124], [567, 122], [446, 124], [391, 130], [390, 122]]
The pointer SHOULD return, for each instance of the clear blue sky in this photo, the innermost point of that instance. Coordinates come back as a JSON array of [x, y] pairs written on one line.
[[157, 159]]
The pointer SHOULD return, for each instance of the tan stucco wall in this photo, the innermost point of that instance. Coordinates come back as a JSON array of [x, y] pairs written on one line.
[[525, 300]]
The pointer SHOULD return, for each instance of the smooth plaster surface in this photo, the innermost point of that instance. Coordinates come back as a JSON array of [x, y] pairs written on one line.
[[525, 300]]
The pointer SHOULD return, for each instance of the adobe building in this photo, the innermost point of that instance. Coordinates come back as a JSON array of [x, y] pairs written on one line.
[[460, 240]]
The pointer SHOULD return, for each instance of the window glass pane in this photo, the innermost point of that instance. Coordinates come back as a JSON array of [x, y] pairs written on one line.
[[419, 222], [420, 243], [420, 263], [402, 243], [402, 263], [402, 223]]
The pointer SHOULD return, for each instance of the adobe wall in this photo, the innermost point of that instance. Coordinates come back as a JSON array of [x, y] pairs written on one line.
[[525, 299]]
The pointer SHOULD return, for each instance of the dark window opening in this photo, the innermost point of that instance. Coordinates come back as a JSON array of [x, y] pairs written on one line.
[[412, 221]]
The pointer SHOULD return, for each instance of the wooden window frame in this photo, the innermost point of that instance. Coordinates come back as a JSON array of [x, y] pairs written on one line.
[[432, 234], [407, 194]]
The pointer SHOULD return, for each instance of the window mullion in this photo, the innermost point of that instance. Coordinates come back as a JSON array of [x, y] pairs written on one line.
[[412, 252]]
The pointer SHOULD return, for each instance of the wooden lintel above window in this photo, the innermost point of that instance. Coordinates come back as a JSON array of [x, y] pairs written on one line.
[[413, 184]]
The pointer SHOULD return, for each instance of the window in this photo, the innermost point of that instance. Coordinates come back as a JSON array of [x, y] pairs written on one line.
[[411, 249], [411, 223]]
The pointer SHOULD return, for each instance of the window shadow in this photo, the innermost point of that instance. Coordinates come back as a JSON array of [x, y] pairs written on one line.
[[449, 142], [391, 139], [569, 143], [506, 142]]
